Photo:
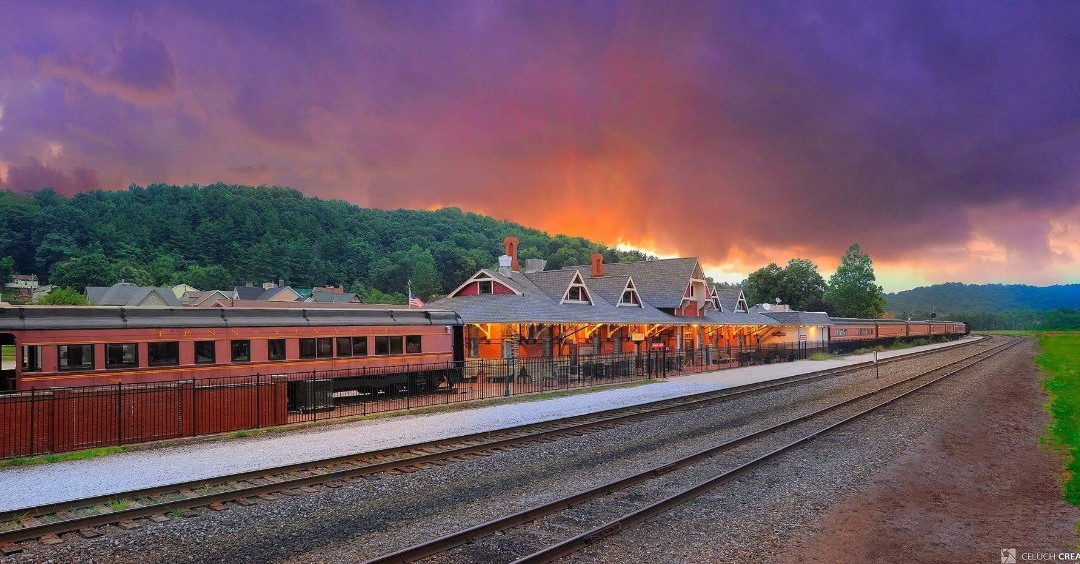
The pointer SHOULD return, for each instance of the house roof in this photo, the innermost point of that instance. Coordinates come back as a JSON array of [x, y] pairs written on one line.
[[740, 318], [270, 293], [248, 292], [126, 294], [328, 297]]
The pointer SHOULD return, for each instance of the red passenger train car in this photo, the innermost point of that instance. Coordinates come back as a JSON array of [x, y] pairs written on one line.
[[81, 346], [853, 330]]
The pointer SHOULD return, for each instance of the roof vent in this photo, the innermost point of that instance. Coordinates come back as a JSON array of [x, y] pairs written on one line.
[[504, 264]]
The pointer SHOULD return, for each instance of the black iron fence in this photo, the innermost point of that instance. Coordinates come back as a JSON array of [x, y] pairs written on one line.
[[63, 419]]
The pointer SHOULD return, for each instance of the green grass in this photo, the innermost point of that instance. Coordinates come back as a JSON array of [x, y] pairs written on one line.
[[824, 356], [61, 457], [119, 504], [1059, 358]]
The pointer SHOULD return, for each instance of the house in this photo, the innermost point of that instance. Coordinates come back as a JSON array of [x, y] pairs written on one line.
[[180, 289], [334, 295], [23, 285], [42, 291], [130, 295], [204, 298], [267, 292]]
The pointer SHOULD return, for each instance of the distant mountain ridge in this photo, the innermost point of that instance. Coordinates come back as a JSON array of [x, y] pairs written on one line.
[[956, 296]]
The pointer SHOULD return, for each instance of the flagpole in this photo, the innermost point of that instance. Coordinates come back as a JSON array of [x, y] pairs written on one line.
[[409, 302]]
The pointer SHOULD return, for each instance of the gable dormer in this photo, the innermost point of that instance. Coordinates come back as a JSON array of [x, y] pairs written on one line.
[[714, 300], [629, 296], [576, 292], [483, 283], [740, 306]]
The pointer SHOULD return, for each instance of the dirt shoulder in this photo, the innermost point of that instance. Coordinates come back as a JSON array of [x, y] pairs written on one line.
[[978, 484]]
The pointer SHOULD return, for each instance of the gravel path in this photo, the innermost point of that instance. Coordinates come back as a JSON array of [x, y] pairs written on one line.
[[373, 516], [35, 485]]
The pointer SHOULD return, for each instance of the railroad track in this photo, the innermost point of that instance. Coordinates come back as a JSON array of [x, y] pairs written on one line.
[[575, 543], [83, 515]]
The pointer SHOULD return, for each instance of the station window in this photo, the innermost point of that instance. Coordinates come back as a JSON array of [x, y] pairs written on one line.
[[413, 344], [275, 349], [205, 352], [121, 355], [31, 358], [574, 294], [75, 357], [241, 351], [163, 354], [483, 287]]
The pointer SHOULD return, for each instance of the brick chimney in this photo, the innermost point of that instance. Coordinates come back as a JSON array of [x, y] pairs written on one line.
[[597, 265], [511, 243]]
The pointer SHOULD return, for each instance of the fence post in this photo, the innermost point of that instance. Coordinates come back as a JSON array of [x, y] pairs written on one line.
[[33, 405], [258, 400], [119, 413], [311, 395], [194, 409]]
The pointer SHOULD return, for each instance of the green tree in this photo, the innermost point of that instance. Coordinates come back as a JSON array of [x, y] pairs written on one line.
[[801, 284], [853, 287], [764, 284], [62, 296], [87, 270], [214, 277], [7, 268]]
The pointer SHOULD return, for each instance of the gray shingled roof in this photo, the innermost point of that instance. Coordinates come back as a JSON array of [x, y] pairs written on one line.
[[800, 317], [729, 318], [661, 283], [125, 294], [248, 292], [335, 298], [729, 297]]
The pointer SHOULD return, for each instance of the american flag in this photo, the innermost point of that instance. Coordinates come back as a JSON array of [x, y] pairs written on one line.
[[415, 301]]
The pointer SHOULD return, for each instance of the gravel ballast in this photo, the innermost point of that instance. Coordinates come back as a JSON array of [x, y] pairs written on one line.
[[28, 486], [385, 513]]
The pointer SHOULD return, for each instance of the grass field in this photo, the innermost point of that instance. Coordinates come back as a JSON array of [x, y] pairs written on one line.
[[1059, 358]]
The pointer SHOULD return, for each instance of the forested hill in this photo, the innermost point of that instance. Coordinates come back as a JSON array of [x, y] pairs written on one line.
[[984, 297], [220, 235]]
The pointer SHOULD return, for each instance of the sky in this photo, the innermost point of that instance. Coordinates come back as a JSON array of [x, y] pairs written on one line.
[[944, 137]]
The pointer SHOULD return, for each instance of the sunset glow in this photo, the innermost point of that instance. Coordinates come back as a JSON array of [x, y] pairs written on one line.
[[741, 133]]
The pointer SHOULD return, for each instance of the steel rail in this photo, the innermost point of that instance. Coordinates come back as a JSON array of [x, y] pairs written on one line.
[[514, 436], [471, 534], [578, 542]]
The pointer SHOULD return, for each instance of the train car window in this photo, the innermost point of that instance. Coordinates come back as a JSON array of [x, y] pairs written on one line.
[[163, 354], [121, 355], [326, 347], [205, 352], [31, 358], [307, 348], [412, 344], [395, 345], [275, 349], [359, 346], [75, 357], [241, 351], [344, 346], [382, 345]]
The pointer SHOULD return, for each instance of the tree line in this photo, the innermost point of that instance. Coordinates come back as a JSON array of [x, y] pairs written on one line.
[[851, 291], [219, 236]]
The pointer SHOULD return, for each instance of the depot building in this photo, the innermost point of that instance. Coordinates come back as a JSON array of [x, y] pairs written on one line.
[[525, 311]]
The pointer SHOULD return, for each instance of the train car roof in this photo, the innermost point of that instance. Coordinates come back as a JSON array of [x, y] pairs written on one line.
[[13, 318], [855, 320]]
